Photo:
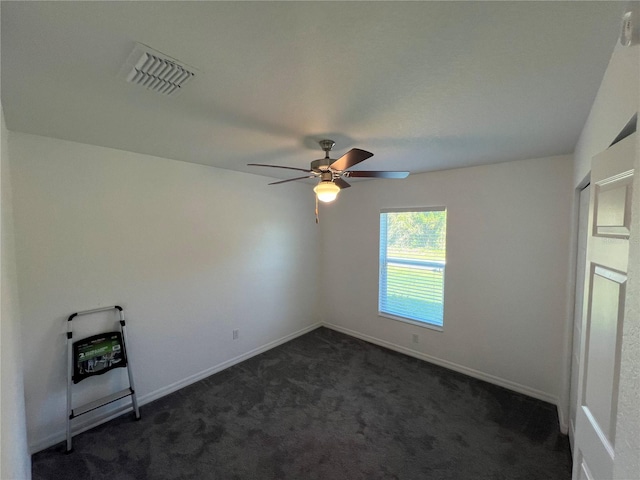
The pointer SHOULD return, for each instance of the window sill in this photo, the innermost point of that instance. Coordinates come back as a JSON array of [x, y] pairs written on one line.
[[418, 323]]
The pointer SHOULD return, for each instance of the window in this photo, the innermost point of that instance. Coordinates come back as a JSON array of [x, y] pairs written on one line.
[[412, 263]]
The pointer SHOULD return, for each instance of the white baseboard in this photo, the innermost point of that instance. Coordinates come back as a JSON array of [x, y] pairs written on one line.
[[116, 411], [112, 413], [564, 424], [516, 387], [78, 427], [572, 435], [150, 397]]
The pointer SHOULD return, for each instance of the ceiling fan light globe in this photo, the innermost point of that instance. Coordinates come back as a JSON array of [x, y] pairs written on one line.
[[326, 191]]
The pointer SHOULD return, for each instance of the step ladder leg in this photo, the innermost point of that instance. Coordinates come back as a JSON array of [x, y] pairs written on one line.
[[69, 382], [134, 398]]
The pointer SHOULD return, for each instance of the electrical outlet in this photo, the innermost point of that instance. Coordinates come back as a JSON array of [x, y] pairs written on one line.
[[236, 334], [415, 338]]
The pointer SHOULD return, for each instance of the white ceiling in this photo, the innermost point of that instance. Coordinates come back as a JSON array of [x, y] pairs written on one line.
[[423, 85]]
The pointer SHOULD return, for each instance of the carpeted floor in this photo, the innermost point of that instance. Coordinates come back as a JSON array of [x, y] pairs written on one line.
[[325, 406]]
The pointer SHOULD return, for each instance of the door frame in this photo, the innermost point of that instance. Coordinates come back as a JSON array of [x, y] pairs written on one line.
[[577, 286]]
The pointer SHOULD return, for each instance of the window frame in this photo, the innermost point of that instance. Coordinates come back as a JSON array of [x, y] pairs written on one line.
[[381, 263]]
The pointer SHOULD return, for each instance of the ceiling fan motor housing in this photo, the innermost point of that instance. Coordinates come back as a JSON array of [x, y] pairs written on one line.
[[326, 176], [322, 164]]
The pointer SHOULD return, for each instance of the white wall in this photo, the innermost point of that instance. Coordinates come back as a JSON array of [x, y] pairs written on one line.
[[191, 253], [15, 462], [507, 257]]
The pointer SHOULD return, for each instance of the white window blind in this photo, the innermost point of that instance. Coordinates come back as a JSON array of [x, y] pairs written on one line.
[[412, 264]]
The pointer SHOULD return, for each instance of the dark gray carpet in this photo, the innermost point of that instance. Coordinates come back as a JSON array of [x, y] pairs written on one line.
[[325, 406]]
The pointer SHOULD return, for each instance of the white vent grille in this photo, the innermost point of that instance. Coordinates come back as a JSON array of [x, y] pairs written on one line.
[[156, 71]]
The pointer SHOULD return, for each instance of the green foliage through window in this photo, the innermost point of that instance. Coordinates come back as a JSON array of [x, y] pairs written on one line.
[[412, 264]]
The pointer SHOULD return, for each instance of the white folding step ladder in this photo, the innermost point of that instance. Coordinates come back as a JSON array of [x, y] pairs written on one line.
[[96, 355]]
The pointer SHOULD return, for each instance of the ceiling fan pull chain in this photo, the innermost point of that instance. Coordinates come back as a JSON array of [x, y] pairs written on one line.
[[317, 219]]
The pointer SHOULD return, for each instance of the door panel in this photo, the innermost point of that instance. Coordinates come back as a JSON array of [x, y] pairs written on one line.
[[583, 471], [602, 348], [613, 202]]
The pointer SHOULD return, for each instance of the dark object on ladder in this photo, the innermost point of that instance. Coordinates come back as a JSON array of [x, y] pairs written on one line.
[[94, 356]]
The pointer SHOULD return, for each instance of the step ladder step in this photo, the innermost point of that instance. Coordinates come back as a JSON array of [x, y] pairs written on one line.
[[81, 410]]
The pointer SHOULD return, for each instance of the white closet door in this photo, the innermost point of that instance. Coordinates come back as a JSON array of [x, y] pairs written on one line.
[[603, 311]]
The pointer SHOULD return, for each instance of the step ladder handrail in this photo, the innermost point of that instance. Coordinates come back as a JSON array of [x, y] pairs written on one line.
[[96, 310], [89, 312]]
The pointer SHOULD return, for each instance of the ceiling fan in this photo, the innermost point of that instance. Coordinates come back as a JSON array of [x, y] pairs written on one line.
[[333, 172]]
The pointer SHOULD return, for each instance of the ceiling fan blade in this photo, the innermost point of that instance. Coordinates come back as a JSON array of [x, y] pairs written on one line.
[[351, 158], [341, 183], [278, 166], [376, 174], [291, 180]]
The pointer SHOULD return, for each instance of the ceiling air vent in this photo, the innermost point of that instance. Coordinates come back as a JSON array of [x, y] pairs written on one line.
[[156, 71]]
